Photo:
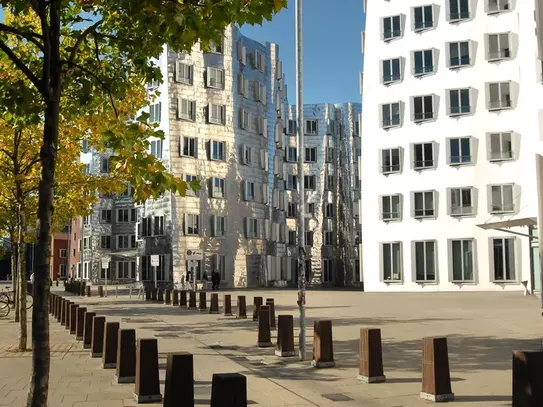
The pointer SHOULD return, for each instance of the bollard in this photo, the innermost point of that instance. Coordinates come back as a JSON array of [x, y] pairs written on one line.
[[527, 378], [82, 289], [183, 299], [257, 303], [97, 343], [67, 315], [214, 304], [160, 297], [147, 377], [63, 312], [227, 305], [192, 300], [80, 323], [285, 336], [167, 297], [179, 384], [271, 303], [323, 348], [241, 312], [154, 293], [175, 297], [109, 354], [88, 290], [203, 302], [101, 291], [126, 356], [228, 390], [436, 378], [147, 294], [371, 356], [73, 318], [56, 306], [264, 334], [87, 330], [50, 301]]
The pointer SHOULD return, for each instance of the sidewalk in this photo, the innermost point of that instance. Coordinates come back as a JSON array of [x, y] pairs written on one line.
[[482, 330]]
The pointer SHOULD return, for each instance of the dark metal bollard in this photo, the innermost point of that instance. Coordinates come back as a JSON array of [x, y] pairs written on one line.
[[228, 390], [109, 354], [126, 356], [87, 331], [73, 318], [285, 336], [227, 305], [271, 303], [97, 344], [80, 323], [147, 377], [214, 304], [241, 312], [257, 303], [179, 384], [371, 356], [175, 298], [323, 346], [264, 333], [183, 299], [203, 301]]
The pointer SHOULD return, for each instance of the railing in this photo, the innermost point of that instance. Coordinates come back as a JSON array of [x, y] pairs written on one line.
[[423, 163], [395, 215], [389, 34], [458, 210], [391, 168], [460, 110], [500, 104], [501, 54], [461, 15], [501, 155], [421, 25], [421, 70], [419, 117], [498, 8], [391, 78], [459, 61], [460, 159], [424, 213], [503, 208], [392, 121]]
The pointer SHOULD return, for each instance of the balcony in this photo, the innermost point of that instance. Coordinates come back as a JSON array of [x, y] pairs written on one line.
[[423, 25], [423, 116]]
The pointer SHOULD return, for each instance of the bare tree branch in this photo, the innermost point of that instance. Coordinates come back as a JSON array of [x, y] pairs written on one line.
[[81, 38], [32, 37], [22, 67]]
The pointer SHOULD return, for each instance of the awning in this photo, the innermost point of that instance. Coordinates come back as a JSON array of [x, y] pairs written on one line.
[[512, 223]]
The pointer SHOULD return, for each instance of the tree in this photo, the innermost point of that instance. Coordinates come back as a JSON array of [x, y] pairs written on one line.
[[88, 52]]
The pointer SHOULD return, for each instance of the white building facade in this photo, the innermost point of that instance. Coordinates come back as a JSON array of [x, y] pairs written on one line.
[[452, 119]]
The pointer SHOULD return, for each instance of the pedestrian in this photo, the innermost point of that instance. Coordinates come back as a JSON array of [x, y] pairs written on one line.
[[216, 278]]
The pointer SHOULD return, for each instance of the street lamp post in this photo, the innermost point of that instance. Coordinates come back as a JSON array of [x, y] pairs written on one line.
[[301, 193]]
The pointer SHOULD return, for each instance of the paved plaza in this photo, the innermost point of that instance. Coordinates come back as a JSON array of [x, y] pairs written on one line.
[[483, 329]]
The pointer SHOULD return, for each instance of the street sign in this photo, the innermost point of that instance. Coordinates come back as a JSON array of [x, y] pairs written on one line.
[[105, 262], [155, 260], [195, 254]]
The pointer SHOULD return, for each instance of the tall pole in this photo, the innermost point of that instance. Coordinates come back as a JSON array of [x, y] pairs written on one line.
[[301, 192], [539, 175]]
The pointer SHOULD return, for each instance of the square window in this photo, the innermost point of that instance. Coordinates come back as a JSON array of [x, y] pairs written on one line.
[[123, 215], [459, 54], [188, 180], [259, 61], [391, 70], [462, 260], [328, 238], [501, 146], [216, 48], [156, 148], [425, 261], [458, 10], [460, 151], [243, 85], [390, 115], [310, 182], [424, 204], [423, 18], [329, 210], [502, 199], [249, 191], [499, 47], [184, 73], [292, 157], [330, 154], [391, 208], [423, 108], [192, 224], [218, 187], [105, 216], [392, 27], [216, 114], [423, 156], [104, 165], [189, 147], [309, 238], [243, 119], [311, 127], [503, 256], [215, 78], [499, 96], [252, 227], [292, 210], [461, 201], [291, 182], [292, 241], [423, 62], [390, 161], [311, 154], [218, 150], [186, 109], [154, 113], [328, 270], [459, 102], [105, 242], [391, 262]]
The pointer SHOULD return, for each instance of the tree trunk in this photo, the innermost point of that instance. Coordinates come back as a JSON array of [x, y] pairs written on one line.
[[51, 81], [15, 273], [21, 265]]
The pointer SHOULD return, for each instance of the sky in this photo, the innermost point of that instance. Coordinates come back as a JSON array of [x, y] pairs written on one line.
[[332, 48]]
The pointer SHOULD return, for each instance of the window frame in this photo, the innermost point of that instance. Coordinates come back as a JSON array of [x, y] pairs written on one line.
[[221, 187], [460, 15], [425, 69], [215, 145], [192, 221], [393, 272], [390, 198], [427, 213], [221, 221], [453, 263], [313, 128], [506, 6], [497, 105], [424, 26], [460, 192], [514, 250], [394, 120], [391, 78], [501, 156], [393, 33], [461, 157], [460, 110], [502, 209], [462, 60], [312, 153], [414, 259], [390, 169], [190, 144], [215, 78], [423, 116], [501, 54], [216, 114], [414, 161]]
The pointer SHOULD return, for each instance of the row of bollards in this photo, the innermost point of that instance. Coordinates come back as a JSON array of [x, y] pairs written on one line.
[[136, 360]]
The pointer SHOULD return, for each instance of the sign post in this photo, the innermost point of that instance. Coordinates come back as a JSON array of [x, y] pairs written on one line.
[[192, 256], [155, 262], [105, 266]]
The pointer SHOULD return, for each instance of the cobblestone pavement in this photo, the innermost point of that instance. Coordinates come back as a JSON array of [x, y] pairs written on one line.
[[483, 329]]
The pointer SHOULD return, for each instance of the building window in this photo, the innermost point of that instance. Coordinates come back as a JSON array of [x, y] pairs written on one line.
[[423, 62], [499, 95], [260, 92], [104, 165], [462, 260], [156, 148], [504, 259], [329, 210], [310, 182], [62, 271], [391, 71], [311, 127], [310, 209], [123, 241], [292, 238], [423, 156], [309, 238], [86, 169], [148, 272], [424, 18], [84, 146], [185, 73], [292, 211], [292, 181], [425, 261], [243, 85], [424, 204], [391, 261], [152, 226], [329, 182], [219, 225], [188, 180], [423, 108], [215, 78], [218, 188], [311, 154], [497, 6], [218, 262], [243, 119], [86, 243], [216, 114], [249, 191], [459, 54], [390, 114], [192, 224], [189, 147], [391, 207], [292, 157], [501, 146], [216, 48], [461, 201], [458, 10], [291, 128], [251, 227], [499, 47], [502, 199], [459, 102], [63, 253], [330, 154], [392, 27], [105, 242], [154, 113], [218, 150], [390, 161], [123, 215], [126, 270], [460, 151], [328, 238], [186, 109], [259, 61], [328, 270]]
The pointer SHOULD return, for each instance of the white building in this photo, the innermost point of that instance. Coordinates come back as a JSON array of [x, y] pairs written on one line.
[[452, 110]]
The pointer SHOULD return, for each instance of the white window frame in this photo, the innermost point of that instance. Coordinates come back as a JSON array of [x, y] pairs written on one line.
[[460, 15], [392, 33], [505, 98], [63, 253], [216, 114], [155, 112], [424, 25], [497, 6], [216, 48], [424, 212], [391, 168], [191, 144], [192, 222], [464, 263], [424, 244], [501, 53], [392, 78], [63, 270], [184, 73], [423, 115], [218, 187], [456, 94], [105, 165], [310, 182], [123, 242], [215, 78], [396, 270], [247, 154], [220, 148], [291, 182], [425, 163], [259, 61], [219, 226], [243, 85], [251, 228], [186, 109], [504, 139], [394, 120], [243, 119], [459, 207], [511, 241], [461, 159], [502, 206], [249, 190], [311, 127], [460, 61], [188, 179], [291, 155], [310, 155], [425, 70], [391, 215], [157, 148], [242, 53]]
